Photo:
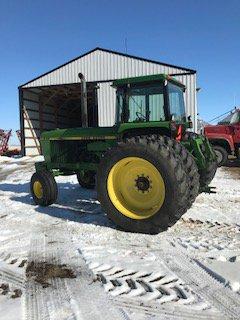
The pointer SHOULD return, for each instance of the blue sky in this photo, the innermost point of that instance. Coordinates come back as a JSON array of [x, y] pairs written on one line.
[[36, 36]]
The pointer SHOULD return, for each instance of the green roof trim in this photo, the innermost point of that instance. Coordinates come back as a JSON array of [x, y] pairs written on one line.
[[153, 77]]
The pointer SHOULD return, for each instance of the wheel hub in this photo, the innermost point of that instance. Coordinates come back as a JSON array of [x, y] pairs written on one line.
[[143, 183], [38, 189]]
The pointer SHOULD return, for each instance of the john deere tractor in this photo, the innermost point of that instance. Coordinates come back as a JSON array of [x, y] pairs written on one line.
[[148, 168]]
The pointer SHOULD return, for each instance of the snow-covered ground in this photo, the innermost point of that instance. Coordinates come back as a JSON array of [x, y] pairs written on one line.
[[68, 261]]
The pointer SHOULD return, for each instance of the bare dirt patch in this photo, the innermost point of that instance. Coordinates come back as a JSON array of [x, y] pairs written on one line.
[[42, 272]]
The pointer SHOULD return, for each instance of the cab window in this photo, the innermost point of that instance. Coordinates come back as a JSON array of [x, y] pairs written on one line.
[[143, 104]]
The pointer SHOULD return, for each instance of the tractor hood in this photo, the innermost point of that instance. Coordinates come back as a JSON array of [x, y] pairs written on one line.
[[80, 134]]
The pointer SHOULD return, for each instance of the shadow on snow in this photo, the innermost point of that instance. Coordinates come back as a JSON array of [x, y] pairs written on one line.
[[74, 203]]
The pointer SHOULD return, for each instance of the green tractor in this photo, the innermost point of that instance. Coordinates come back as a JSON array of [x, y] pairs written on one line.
[[148, 168]]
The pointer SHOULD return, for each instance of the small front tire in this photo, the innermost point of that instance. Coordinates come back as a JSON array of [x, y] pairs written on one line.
[[43, 188]]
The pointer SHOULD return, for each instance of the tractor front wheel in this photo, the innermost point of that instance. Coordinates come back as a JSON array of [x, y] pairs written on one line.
[[140, 184], [43, 188]]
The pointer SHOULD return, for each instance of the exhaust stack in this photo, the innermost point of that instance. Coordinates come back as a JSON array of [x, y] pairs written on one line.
[[84, 111]]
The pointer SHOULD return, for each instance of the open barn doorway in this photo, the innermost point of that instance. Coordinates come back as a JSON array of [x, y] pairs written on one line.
[[50, 107]]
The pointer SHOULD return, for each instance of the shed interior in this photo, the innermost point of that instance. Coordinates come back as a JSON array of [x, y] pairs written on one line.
[[56, 106]]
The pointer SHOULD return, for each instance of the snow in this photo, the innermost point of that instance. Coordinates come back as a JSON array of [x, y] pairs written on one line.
[[224, 205], [10, 309], [209, 233]]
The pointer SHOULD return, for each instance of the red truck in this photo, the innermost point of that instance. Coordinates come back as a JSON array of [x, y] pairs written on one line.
[[225, 137]]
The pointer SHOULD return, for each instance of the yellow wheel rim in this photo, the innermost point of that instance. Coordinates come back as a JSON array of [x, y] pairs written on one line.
[[136, 188], [38, 189]]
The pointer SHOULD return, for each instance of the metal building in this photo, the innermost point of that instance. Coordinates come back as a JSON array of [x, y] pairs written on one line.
[[52, 100]]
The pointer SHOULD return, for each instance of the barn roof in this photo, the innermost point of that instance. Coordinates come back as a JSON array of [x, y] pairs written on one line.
[[187, 70]]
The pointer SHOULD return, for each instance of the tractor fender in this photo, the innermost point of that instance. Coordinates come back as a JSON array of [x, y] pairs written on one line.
[[226, 141]]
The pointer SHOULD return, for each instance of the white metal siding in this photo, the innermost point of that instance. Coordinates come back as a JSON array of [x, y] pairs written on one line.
[[100, 65], [106, 105]]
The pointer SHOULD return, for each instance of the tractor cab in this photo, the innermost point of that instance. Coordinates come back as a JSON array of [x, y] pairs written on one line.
[[156, 98]]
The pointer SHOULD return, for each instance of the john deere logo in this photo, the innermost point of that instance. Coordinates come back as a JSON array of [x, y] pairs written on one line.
[[85, 138]]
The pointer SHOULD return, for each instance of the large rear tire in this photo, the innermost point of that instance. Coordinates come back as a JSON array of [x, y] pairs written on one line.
[[141, 185], [191, 170], [43, 188]]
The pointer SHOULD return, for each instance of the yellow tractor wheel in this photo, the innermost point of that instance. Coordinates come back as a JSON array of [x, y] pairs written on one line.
[[43, 188], [140, 185], [136, 188]]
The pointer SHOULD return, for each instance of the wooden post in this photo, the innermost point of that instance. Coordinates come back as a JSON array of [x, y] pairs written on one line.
[[26, 117]]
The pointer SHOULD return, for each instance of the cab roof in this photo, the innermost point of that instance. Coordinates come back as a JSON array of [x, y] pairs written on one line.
[[154, 77]]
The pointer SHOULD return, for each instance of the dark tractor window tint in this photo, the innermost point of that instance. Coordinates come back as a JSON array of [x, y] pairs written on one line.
[[176, 102]]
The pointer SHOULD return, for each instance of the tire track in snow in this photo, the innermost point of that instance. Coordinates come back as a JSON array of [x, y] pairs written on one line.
[[79, 298], [136, 284], [9, 276], [12, 273], [13, 260], [166, 313], [148, 289], [161, 287], [222, 298], [214, 245]]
